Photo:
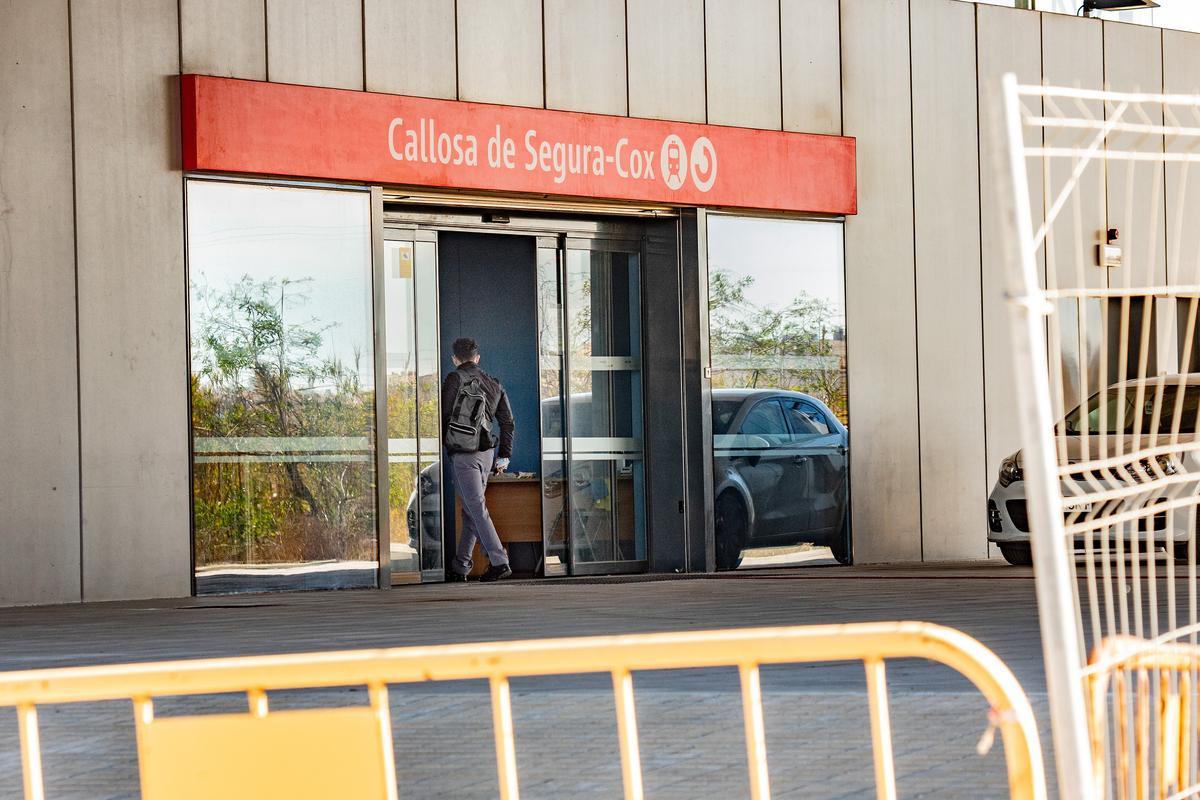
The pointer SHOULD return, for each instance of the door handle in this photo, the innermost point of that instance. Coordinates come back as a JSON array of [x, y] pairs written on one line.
[[799, 459]]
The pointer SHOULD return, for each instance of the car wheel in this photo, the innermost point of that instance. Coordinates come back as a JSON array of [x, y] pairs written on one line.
[[1181, 551], [731, 522], [840, 546], [841, 553], [1019, 554]]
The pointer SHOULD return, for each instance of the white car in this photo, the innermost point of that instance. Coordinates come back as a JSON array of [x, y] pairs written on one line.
[[1008, 522]]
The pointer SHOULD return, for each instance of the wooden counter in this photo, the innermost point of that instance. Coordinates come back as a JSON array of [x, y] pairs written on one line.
[[516, 508], [515, 504]]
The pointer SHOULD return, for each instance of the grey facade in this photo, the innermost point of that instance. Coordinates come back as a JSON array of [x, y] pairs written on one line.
[[94, 451]]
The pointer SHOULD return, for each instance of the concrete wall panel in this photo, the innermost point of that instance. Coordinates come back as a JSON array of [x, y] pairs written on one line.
[[1009, 40], [585, 56], [315, 42], [410, 47], [880, 301], [1073, 55], [812, 66], [500, 52], [1132, 63], [742, 46], [224, 37], [39, 422], [132, 318], [1181, 75], [666, 59], [954, 483]]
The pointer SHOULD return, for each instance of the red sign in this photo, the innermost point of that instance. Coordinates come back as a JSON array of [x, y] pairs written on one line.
[[303, 131]]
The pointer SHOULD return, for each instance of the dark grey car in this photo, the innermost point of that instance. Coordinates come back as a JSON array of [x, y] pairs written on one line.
[[779, 474]]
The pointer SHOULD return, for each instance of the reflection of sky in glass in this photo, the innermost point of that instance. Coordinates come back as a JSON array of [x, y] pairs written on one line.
[[412, 269], [428, 331], [398, 261], [785, 257], [270, 232]]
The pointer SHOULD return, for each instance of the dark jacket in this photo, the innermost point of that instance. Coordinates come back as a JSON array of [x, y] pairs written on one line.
[[498, 407]]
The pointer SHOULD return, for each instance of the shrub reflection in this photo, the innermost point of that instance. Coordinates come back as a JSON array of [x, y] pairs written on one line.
[[283, 430]]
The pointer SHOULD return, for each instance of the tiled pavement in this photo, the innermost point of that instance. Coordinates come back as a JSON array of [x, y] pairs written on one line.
[[689, 722]]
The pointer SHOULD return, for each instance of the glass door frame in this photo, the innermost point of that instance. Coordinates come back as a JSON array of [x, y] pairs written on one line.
[[561, 245], [410, 235]]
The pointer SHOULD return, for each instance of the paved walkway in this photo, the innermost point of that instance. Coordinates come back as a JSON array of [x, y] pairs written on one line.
[[689, 722]]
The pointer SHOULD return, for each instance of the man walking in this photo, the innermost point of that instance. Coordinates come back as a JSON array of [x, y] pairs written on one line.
[[471, 400]]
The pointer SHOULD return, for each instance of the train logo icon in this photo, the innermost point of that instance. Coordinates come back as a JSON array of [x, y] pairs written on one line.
[[674, 162]]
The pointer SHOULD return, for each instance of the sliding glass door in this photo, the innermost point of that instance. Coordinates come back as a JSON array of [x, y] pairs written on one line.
[[593, 482]]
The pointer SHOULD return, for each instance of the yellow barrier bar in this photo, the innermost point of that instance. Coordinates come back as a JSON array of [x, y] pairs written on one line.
[[631, 761], [756, 737], [721, 648], [498, 662], [143, 715], [31, 752], [881, 730], [383, 712], [257, 699], [502, 725]]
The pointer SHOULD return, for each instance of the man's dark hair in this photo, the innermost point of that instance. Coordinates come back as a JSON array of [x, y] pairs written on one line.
[[465, 349]]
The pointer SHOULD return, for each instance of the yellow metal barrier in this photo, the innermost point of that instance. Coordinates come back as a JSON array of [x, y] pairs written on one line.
[[347, 752], [1143, 697]]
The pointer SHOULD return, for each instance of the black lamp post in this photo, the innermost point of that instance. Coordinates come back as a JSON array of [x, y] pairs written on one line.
[[1115, 5]]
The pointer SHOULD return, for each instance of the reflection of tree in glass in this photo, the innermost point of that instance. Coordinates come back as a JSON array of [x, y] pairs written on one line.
[[581, 334], [549, 329], [258, 373], [795, 347], [408, 397]]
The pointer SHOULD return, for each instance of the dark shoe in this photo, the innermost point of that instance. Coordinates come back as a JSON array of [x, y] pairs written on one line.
[[496, 573], [455, 577]]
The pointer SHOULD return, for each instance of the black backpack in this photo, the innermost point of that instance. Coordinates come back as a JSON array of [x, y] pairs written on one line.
[[470, 426]]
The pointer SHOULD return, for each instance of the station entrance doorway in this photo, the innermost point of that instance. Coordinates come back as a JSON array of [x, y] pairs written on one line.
[[556, 305]]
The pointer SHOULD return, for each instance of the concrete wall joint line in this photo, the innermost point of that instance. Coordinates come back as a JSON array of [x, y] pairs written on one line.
[[982, 301], [542, 5], [704, 16], [266, 42], [75, 266], [912, 162]]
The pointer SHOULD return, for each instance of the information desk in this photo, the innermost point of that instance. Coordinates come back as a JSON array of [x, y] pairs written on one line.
[[515, 504]]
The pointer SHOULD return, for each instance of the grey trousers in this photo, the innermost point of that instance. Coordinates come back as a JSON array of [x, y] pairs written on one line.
[[471, 472]]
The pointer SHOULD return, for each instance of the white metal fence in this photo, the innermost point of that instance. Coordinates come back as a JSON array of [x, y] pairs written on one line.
[[1107, 348]]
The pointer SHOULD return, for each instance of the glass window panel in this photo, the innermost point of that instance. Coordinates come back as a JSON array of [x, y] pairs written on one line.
[[777, 341], [282, 387]]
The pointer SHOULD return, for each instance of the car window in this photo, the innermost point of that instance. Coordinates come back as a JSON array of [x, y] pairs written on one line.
[[802, 424], [817, 417], [723, 412], [1116, 414], [765, 419]]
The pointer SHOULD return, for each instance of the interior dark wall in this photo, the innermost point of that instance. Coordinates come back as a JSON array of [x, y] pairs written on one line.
[[487, 290]]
